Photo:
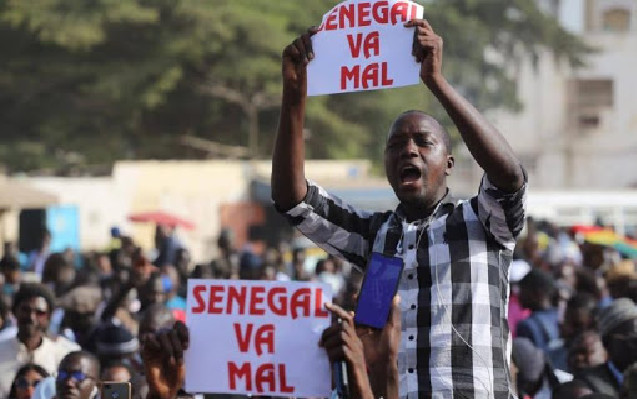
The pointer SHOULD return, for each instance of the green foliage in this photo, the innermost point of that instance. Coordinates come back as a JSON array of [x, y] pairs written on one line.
[[88, 82]]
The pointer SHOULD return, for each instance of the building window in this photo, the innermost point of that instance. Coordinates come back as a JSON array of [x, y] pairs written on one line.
[[588, 99], [616, 20]]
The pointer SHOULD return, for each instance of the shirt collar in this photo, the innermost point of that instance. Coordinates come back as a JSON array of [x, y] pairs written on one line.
[[446, 206]]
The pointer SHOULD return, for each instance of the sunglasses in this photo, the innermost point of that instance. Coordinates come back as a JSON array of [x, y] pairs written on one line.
[[78, 376], [23, 383]]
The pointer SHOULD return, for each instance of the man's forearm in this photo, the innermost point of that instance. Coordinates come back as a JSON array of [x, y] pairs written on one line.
[[288, 172], [487, 145]]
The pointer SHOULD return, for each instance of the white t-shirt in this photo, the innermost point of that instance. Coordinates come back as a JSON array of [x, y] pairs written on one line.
[[13, 355]]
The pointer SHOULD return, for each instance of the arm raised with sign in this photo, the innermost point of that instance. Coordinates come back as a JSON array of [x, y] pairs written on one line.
[[288, 172], [486, 144]]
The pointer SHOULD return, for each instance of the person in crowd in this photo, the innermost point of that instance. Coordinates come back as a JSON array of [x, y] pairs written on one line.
[[618, 328], [298, 264], [7, 327], [26, 379], [117, 372], [622, 280], [470, 242], [78, 376], [167, 244], [171, 283], [537, 291], [38, 257], [579, 316], [155, 318], [629, 387], [58, 273], [10, 269], [517, 270], [535, 377], [32, 307], [226, 265], [80, 305], [327, 274], [586, 350], [153, 291], [114, 343], [571, 390]]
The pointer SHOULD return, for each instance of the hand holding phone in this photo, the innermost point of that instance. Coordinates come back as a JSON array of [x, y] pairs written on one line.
[[378, 290]]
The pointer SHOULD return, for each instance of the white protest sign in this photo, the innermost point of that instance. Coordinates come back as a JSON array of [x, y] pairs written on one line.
[[363, 45], [257, 337]]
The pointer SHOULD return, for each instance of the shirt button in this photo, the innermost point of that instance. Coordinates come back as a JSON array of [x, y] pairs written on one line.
[[411, 337], [411, 276], [413, 307], [411, 370], [411, 246]]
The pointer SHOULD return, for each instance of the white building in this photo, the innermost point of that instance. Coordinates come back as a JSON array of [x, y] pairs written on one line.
[[578, 128]]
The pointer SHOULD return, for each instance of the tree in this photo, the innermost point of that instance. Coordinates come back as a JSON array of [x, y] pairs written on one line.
[[86, 83]]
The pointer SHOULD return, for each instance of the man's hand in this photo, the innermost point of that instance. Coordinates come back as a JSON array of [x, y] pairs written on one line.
[[342, 343], [296, 56], [427, 49], [381, 353], [163, 356]]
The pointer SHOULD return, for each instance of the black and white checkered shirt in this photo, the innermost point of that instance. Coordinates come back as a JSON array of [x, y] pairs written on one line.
[[454, 288]]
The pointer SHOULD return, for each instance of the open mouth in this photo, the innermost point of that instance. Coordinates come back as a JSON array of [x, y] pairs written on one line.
[[410, 174]]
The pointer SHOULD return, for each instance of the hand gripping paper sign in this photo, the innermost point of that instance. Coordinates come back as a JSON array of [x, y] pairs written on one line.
[[363, 45], [257, 338]]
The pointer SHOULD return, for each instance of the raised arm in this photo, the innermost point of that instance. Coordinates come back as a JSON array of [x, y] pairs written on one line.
[[288, 172], [485, 142]]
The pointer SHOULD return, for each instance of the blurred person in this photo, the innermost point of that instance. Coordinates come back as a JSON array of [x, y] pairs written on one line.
[[517, 270], [78, 376], [273, 259], [10, 269], [621, 280], [167, 244], [535, 376], [152, 292], [348, 296], [171, 282], [58, 274], [114, 343], [571, 390], [418, 160], [80, 307], [537, 291], [629, 387], [7, 325], [38, 257], [226, 265], [32, 307], [580, 315], [328, 275], [249, 265], [154, 318], [586, 350], [618, 328], [182, 264], [26, 379], [298, 264], [117, 372]]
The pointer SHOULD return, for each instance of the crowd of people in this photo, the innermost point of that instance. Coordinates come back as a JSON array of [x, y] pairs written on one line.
[[571, 312], [100, 306], [469, 281], [573, 315]]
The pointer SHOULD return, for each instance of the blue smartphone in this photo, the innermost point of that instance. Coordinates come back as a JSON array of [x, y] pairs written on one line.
[[378, 290]]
